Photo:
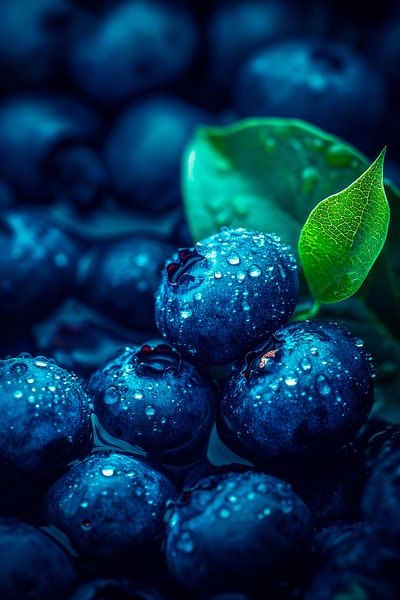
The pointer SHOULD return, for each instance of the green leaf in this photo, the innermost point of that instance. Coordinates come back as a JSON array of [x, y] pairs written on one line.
[[344, 235], [266, 174]]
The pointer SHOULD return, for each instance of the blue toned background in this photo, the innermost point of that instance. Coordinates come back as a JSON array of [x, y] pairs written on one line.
[[98, 101]]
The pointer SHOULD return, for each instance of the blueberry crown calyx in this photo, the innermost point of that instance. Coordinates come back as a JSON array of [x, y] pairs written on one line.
[[176, 271], [257, 360], [156, 360]]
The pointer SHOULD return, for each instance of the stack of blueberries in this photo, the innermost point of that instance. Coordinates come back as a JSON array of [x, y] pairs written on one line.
[[168, 429]]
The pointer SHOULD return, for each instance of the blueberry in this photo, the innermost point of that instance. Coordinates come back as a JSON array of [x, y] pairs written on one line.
[[131, 48], [227, 293], [37, 265], [237, 531], [32, 565], [381, 498], [349, 562], [150, 398], [331, 487], [377, 440], [110, 505], [324, 83], [123, 277], [239, 28], [304, 393], [31, 47], [111, 589], [40, 136], [144, 150], [45, 416]]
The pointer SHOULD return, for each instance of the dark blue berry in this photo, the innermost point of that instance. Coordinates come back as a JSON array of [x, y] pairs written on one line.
[[144, 150], [349, 562], [382, 496], [123, 277], [110, 506], [114, 589], [40, 137], [227, 293], [238, 28], [37, 265], [32, 565], [237, 531], [324, 83], [45, 419], [32, 38], [304, 393], [150, 398], [131, 48]]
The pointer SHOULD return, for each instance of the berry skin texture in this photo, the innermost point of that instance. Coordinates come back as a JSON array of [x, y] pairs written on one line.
[[144, 150], [238, 28], [150, 398], [122, 278], [32, 565], [37, 265], [110, 505], [137, 45], [226, 294], [380, 502], [233, 531], [45, 420], [37, 133], [302, 394], [321, 82]]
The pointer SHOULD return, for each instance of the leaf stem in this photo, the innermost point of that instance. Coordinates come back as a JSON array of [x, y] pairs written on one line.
[[310, 313]]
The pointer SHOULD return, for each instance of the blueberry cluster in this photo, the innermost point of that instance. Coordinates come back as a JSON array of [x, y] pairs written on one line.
[[169, 429]]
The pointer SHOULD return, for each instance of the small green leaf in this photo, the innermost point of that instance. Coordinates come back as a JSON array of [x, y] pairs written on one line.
[[266, 174], [344, 235]]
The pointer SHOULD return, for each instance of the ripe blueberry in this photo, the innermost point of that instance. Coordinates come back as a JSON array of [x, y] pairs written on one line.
[[150, 398], [144, 150], [32, 565], [122, 278], [40, 135], [234, 531], [304, 393], [226, 294], [110, 505], [45, 416], [381, 498], [37, 265], [131, 48], [324, 83]]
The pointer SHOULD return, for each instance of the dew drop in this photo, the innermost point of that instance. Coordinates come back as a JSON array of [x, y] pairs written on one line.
[[107, 471], [149, 410], [254, 271], [86, 524], [111, 395], [233, 259], [291, 381], [323, 385], [17, 394], [217, 274], [185, 543], [19, 368], [137, 394], [186, 313], [224, 513], [305, 364]]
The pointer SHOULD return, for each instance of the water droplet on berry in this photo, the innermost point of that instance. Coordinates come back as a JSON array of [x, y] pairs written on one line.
[[107, 471], [254, 271], [323, 385], [185, 543], [149, 410], [137, 394], [111, 395], [233, 259], [291, 381], [224, 513], [305, 364], [17, 394]]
